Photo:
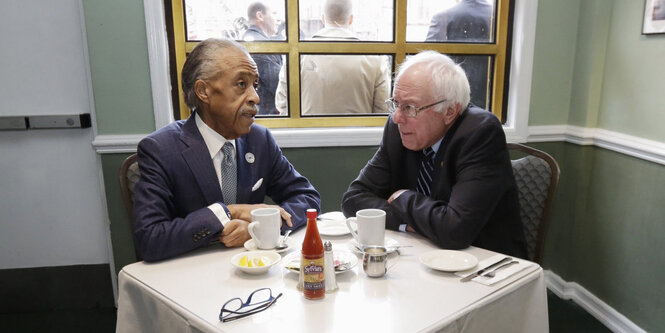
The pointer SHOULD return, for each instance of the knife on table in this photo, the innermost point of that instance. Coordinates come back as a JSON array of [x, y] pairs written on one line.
[[480, 272]]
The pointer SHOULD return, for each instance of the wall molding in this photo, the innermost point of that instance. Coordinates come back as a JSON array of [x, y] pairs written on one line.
[[650, 150], [611, 318], [646, 149]]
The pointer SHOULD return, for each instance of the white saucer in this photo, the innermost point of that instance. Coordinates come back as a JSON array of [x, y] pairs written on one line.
[[291, 243], [390, 244], [333, 227], [449, 260], [340, 257]]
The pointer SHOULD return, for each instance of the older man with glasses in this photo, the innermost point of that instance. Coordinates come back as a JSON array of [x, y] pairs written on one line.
[[442, 169]]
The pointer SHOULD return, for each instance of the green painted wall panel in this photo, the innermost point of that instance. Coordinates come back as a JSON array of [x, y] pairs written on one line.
[[606, 231], [589, 62], [632, 96], [554, 54], [118, 51]]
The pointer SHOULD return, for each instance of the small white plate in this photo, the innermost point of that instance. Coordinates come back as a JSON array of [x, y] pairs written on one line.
[[250, 245], [448, 260], [268, 258], [344, 261], [333, 227], [390, 244]]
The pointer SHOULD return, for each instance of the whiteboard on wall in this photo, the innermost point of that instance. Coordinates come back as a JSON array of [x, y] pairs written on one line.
[[43, 63]]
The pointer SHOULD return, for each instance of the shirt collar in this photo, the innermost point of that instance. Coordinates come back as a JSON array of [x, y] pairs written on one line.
[[213, 140], [435, 147]]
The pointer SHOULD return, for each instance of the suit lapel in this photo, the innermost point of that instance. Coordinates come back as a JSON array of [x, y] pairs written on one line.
[[200, 164], [440, 160]]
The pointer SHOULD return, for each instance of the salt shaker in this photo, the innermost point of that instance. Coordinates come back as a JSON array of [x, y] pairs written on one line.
[[329, 267]]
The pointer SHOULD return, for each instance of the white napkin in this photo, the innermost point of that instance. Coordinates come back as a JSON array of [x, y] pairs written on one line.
[[501, 275]]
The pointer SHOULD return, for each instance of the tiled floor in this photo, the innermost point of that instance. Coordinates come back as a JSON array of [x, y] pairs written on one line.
[[565, 316]]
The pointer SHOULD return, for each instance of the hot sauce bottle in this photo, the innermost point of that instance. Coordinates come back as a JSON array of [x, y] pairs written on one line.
[[312, 262]]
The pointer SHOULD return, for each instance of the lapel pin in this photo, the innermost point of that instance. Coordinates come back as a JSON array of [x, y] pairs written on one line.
[[249, 157]]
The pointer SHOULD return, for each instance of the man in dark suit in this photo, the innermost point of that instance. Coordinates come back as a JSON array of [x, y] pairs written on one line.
[[465, 194], [468, 21], [263, 27], [183, 200]]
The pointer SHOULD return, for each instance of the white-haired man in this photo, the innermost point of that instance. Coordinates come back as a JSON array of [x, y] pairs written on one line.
[[442, 169]]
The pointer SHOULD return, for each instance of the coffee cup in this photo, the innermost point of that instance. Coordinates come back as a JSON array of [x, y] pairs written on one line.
[[371, 227], [264, 228], [375, 261]]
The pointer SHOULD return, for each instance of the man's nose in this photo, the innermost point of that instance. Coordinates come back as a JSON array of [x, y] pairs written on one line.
[[398, 116], [254, 96]]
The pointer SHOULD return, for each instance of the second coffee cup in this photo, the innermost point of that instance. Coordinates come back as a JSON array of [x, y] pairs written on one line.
[[264, 228], [371, 224]]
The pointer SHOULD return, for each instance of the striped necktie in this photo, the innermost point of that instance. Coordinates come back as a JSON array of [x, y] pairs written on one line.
[[426, 172], [229, 174]]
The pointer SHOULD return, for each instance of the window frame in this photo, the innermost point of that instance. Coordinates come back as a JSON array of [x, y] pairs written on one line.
[[517, 113], [399, 48]]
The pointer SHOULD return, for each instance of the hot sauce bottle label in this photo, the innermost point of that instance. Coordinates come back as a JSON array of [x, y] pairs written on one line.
[[313, 274]]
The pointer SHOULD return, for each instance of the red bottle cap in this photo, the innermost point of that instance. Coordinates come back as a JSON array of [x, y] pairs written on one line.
[[311, 213]]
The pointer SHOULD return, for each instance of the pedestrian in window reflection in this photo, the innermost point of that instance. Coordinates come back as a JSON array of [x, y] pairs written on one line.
[[442, 169], [468, 21], [201, 177], [334, 84], [262, 26]]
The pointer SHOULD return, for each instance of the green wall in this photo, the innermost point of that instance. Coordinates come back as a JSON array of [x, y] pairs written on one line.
[[118, 51], [607, 233], [632, 96], [554, 55]]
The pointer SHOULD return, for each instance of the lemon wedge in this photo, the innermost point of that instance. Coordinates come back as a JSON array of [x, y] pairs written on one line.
[[243, 261]]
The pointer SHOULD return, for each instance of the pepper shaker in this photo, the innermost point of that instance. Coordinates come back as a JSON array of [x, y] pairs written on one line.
[[329, 268]]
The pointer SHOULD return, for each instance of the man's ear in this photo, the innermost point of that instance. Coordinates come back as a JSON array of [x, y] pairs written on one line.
[[201, 90], [451, 113]]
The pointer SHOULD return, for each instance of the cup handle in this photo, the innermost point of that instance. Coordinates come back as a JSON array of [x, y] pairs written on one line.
[[250, 228], [353, 232]]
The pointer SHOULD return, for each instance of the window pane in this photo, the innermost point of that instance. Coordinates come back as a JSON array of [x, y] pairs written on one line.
[[269, 66], [349, 20], [477, 68], [467, 21], [344, 84], [229, 18]]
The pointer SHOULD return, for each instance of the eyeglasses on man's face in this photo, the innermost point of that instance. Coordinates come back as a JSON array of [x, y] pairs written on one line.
[[258, 300], [407, 109]]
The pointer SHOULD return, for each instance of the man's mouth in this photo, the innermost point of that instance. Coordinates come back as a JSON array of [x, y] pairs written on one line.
[[248, 113]]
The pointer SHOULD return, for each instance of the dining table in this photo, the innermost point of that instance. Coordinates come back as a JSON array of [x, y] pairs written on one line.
[[186, 294]]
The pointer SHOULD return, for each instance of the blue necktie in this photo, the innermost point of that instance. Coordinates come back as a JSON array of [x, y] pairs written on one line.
[[426, 172], [229, 174]]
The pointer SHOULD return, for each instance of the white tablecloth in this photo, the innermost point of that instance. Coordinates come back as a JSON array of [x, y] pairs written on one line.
[[185, 294]]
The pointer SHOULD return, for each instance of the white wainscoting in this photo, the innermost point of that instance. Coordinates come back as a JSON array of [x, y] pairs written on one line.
[[645, 149], [592, 304]]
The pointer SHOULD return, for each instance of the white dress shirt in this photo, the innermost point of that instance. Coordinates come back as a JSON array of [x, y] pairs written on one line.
[[214, 141]]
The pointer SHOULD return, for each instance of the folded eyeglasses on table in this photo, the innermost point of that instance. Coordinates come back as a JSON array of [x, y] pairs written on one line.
[[258, 300]]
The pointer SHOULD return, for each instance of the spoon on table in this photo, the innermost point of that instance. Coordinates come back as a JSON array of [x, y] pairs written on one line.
[[282, 244]]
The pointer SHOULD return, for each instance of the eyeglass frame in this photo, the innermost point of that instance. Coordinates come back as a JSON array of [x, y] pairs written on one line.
[[412, 110], [256, 307]]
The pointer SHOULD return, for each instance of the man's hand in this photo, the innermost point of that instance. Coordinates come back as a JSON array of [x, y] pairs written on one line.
[[243, 212], [235, 233]]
